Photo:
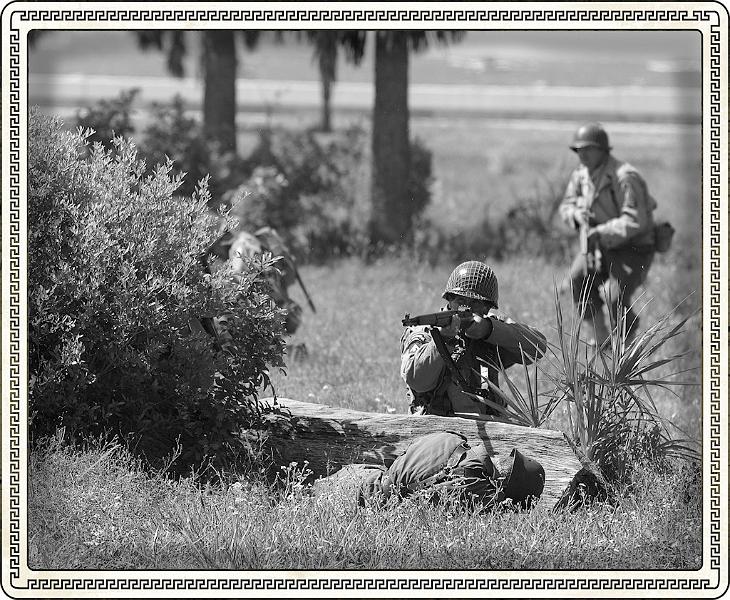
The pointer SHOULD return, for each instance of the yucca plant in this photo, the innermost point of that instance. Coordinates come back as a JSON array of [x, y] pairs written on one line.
[[612, 416], [606, 389], [528, 410]]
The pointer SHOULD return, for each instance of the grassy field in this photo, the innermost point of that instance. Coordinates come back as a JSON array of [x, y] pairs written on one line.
[[97, 509], [353, 339]]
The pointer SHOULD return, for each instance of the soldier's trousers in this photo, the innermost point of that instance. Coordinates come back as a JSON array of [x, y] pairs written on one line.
[[620, 273]]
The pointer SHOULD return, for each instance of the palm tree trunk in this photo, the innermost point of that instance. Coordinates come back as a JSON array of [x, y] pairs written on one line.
[[390, 221], [327, 58], [326, 124], [219, 96]]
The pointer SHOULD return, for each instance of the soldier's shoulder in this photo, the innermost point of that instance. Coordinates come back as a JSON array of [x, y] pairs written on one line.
[[411, 335], [244, 244], [625, 170], [499, 316]]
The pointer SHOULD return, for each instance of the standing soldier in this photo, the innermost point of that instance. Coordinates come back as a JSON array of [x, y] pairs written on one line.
[[608, 200], [442, 365]]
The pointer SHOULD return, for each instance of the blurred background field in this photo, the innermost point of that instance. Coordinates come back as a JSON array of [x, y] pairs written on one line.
[[628, 75], [619, 58]]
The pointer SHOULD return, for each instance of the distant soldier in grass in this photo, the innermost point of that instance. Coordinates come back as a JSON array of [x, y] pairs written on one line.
[[608, 200], [245, 246], [240, 247], [442, 364]]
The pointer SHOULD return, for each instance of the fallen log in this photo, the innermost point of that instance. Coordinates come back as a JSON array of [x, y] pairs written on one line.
[[332, 438]]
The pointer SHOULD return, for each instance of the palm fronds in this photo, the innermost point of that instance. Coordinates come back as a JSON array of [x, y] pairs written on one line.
[[606, 391]]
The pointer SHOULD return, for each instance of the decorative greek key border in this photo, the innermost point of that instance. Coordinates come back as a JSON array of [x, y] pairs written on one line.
[[711, 18]]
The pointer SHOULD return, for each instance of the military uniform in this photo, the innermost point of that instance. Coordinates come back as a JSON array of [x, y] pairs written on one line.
[[436, 387], [618, 198], [430, 385], [245, 246]]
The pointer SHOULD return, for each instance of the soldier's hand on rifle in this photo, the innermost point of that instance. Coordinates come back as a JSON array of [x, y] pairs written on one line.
[[583, 217], [480, 329], [452, 328]]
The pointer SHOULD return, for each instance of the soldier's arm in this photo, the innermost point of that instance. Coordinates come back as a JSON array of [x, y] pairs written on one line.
[[635, 217], [509, 336], [421, 364], [569, 204]]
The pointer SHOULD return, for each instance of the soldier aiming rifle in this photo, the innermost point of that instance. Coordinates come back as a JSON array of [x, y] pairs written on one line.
[[443, 354]]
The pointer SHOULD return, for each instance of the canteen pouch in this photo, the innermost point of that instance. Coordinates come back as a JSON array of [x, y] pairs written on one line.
[[663, 234]]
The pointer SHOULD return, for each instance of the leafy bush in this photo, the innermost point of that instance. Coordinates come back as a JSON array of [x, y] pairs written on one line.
[[174, 134], [109, 118], [309, 187], [312, 187], [115, 285], [529, 227]]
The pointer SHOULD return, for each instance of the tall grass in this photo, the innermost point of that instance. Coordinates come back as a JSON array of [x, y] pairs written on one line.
[[98, 509]]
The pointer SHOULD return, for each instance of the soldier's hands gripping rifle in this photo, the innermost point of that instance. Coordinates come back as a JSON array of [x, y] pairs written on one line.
[[590, 250], [443, 318]]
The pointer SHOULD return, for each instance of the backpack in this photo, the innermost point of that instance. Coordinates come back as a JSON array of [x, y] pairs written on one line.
[[443, 464]]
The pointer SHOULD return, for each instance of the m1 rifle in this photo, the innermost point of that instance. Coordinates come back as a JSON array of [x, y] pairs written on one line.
[[590, 251], [439, 319]]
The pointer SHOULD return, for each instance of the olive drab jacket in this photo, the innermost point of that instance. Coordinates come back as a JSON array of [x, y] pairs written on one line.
[[429, 383], [618, 197], [246, 245], [280, 277]]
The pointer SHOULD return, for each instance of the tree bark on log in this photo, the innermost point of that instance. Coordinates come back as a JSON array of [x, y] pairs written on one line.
[[332, 438]]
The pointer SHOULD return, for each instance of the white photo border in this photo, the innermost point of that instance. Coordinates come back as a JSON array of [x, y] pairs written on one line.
[[709, 18]]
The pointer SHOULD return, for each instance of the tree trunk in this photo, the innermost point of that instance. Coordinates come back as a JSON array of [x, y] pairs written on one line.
[[390, 222], [334, 439], [327, 58], [219, 95]]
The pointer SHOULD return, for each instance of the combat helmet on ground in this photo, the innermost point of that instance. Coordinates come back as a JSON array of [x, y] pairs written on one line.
[[473, 279], [590, 134]]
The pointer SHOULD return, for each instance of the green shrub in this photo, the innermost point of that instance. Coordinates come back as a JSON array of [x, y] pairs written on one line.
[[530, 227], [115, 283], [108, 118], [174, 134], [309, 187]]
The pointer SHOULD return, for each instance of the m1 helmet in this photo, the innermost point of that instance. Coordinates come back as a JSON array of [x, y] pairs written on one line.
[[523, 478], [590, 134], [473, 279]]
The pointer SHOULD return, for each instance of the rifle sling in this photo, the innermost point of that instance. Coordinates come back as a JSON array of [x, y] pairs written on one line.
[[456, 376]]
